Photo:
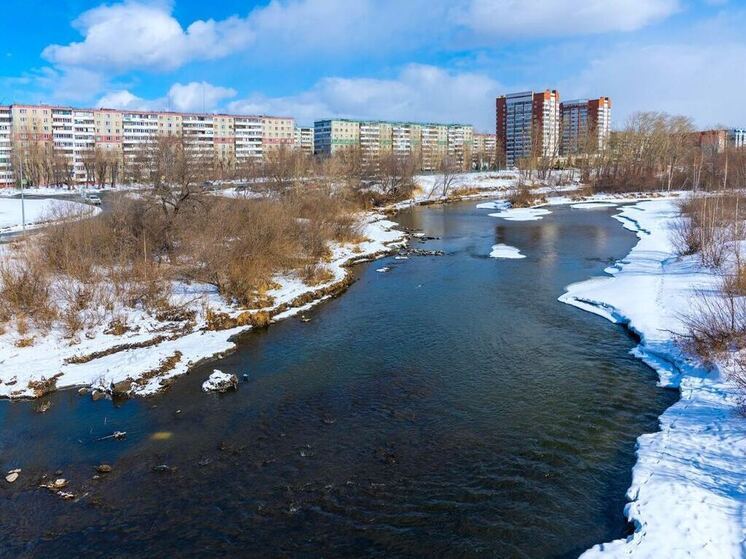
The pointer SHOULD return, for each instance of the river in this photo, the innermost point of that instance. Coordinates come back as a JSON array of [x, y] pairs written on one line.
[[450, 407]]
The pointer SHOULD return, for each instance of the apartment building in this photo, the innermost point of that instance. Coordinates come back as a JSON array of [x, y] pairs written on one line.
[[718, 140], [483, 151], [586, 125], [304, 139], [528, 124], [70, 134], [6, 168], [277, 132], [248, 132], [426, 143]]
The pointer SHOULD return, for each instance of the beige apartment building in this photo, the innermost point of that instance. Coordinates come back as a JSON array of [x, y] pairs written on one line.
[[426, 143], [72, 134], [484, 151]]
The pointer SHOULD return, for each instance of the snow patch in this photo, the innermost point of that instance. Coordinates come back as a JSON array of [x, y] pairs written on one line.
[[506, 251], [522, 214]]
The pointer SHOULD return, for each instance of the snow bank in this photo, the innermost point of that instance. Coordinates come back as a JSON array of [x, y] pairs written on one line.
[[152, 352], [37, 212], [505, 251], [689, 484], [521, 214]]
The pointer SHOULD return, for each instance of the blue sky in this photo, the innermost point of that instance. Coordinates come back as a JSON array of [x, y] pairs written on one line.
[[440, 60]]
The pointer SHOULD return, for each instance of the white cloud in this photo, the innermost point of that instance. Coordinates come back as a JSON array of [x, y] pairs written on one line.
[[702, 80], [139, 35], [191, 97], [419, 92], [558, 18]]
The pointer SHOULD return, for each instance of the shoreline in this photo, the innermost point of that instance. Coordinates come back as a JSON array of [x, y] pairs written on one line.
[[150, 356], [688, 482]]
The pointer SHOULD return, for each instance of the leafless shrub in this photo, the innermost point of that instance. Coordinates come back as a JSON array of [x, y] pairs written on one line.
[[25, 290], [524, 197]]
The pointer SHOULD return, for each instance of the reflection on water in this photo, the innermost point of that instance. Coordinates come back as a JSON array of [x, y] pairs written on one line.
[[449, 408]]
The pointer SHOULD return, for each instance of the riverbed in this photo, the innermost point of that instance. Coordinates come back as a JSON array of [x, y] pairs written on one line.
[[447, 407]]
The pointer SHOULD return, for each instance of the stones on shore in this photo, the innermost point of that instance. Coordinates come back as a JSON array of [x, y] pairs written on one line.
[[219, 381], [12, 475], [98, 395], [121, 389]]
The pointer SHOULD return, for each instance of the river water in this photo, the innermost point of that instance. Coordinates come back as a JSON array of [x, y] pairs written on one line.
[[450, 407]]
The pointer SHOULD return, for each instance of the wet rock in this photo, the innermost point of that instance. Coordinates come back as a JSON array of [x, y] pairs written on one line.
[[122, 388], [43, 407], [103, 469], [219, 381], [98, 395], [59, 483], [328, 420], [83, 391], [163, 469], [12, 475], [119, 435]]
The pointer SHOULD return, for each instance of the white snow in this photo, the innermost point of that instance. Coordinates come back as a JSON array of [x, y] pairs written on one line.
[[506, 251], [522, 214], [593, 205], [51, 352], [38, 212], [688, 492]]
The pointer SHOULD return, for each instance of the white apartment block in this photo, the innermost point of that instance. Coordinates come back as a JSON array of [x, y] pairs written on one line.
[[737, 137], [249, 131], [6, 169], [427, 143], [84, 141], [304, 139], [73, 134]]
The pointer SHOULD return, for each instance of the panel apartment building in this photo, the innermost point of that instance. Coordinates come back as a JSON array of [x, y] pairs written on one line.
[[586, 125], [427, 143], [528, 124], [73, 133], [537, 124], [483, 151]]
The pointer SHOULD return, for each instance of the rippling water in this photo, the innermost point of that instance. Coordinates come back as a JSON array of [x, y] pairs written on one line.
[[448, 408]]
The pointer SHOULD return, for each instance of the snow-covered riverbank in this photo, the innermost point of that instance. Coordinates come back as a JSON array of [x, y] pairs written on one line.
[[145, 353], [688, 492]]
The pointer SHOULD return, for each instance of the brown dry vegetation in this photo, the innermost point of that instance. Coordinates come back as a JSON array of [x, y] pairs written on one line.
[[712, 227], [524, 197], [78, 271]]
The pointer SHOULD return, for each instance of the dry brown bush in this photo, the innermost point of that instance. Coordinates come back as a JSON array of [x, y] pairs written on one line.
[[524, 197], [25, 290]]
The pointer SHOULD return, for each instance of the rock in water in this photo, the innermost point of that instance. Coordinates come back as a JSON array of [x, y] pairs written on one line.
[[219, 381], [103, 469], [12, 476]]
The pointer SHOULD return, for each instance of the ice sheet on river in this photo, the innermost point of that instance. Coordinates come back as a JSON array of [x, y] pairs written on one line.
[[505, 251], [688, 492]]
